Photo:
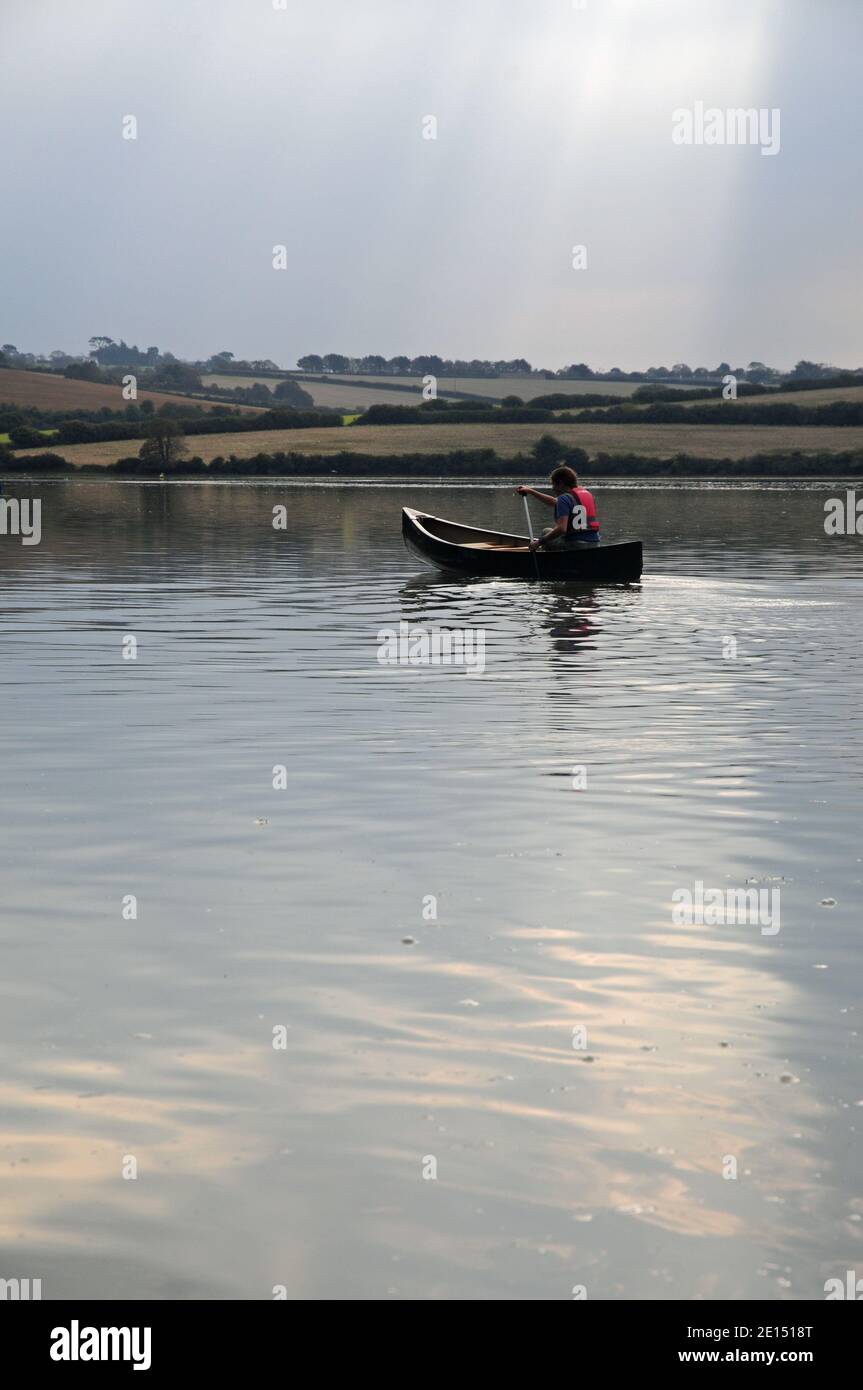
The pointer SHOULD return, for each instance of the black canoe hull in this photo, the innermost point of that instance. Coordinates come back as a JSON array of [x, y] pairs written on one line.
[[468, 550]]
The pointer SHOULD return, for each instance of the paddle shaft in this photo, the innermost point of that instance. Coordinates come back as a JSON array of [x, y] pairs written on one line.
[[530, 529]]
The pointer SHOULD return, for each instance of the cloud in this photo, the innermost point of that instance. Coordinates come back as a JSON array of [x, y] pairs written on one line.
[[303, 127]]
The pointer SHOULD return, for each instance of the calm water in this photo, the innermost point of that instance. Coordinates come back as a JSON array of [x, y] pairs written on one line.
[[152, 1039]]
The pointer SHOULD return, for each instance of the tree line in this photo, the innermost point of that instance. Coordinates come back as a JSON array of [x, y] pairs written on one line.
[[660, 413], [723, 413], [474, 463], [100, 432], [106, 352], [374, 364]]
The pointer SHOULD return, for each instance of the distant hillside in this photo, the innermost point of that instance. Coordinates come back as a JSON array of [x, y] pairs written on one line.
[[48, 392], [361, 392], [657, 441], [827, 395]]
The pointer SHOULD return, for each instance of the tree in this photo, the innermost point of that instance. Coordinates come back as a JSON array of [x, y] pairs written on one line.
[[290, 394], [25, 437], [82, 371], [810, 371], [100, 342], [374, 364], [428, 366], [336, 362], [548, 451], [258, 393], [576, 458], [177, 376], [165, 443], [310, 363], [758, 372]]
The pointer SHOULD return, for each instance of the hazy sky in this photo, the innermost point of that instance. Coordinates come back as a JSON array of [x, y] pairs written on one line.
[[303, 126]]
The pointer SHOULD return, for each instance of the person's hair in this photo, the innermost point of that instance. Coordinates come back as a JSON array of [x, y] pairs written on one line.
[[564, 476]]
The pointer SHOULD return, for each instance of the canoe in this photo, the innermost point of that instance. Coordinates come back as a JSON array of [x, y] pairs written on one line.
[[469, 550]]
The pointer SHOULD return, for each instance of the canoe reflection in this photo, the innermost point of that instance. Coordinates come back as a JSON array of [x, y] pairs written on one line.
[[570, 613]]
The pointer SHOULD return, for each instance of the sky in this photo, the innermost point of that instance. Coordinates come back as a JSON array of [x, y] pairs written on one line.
[[302, 124]]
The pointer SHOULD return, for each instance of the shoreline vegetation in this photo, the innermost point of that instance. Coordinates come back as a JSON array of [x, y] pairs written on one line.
[[499, 442], [480, 463]]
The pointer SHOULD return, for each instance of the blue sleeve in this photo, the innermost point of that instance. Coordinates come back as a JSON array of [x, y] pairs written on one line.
[[564, 505]]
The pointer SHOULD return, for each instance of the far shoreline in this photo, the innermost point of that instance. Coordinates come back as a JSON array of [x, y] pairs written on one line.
[[449, 480]]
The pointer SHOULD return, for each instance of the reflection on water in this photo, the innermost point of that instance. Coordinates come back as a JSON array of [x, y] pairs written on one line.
[[151, 1038]]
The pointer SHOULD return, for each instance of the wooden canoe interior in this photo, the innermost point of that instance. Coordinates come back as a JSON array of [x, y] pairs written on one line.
[[491, 545], [470, 537]]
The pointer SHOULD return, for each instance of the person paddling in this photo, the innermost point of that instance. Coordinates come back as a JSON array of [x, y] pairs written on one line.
[[574, 511]]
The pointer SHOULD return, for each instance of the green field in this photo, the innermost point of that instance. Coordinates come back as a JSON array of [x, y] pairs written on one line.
[[805, 399], [657, 441], [332, 395], [359, 392], [49, 434], [498, 387]]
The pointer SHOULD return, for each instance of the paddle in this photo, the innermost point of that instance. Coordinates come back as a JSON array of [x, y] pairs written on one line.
[[530, 529]]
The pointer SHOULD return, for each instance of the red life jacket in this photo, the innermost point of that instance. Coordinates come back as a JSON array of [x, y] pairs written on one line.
[[583, 498]]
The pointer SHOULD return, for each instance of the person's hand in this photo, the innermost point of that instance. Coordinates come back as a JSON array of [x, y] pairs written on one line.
[[534, 544], [522, 489]]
